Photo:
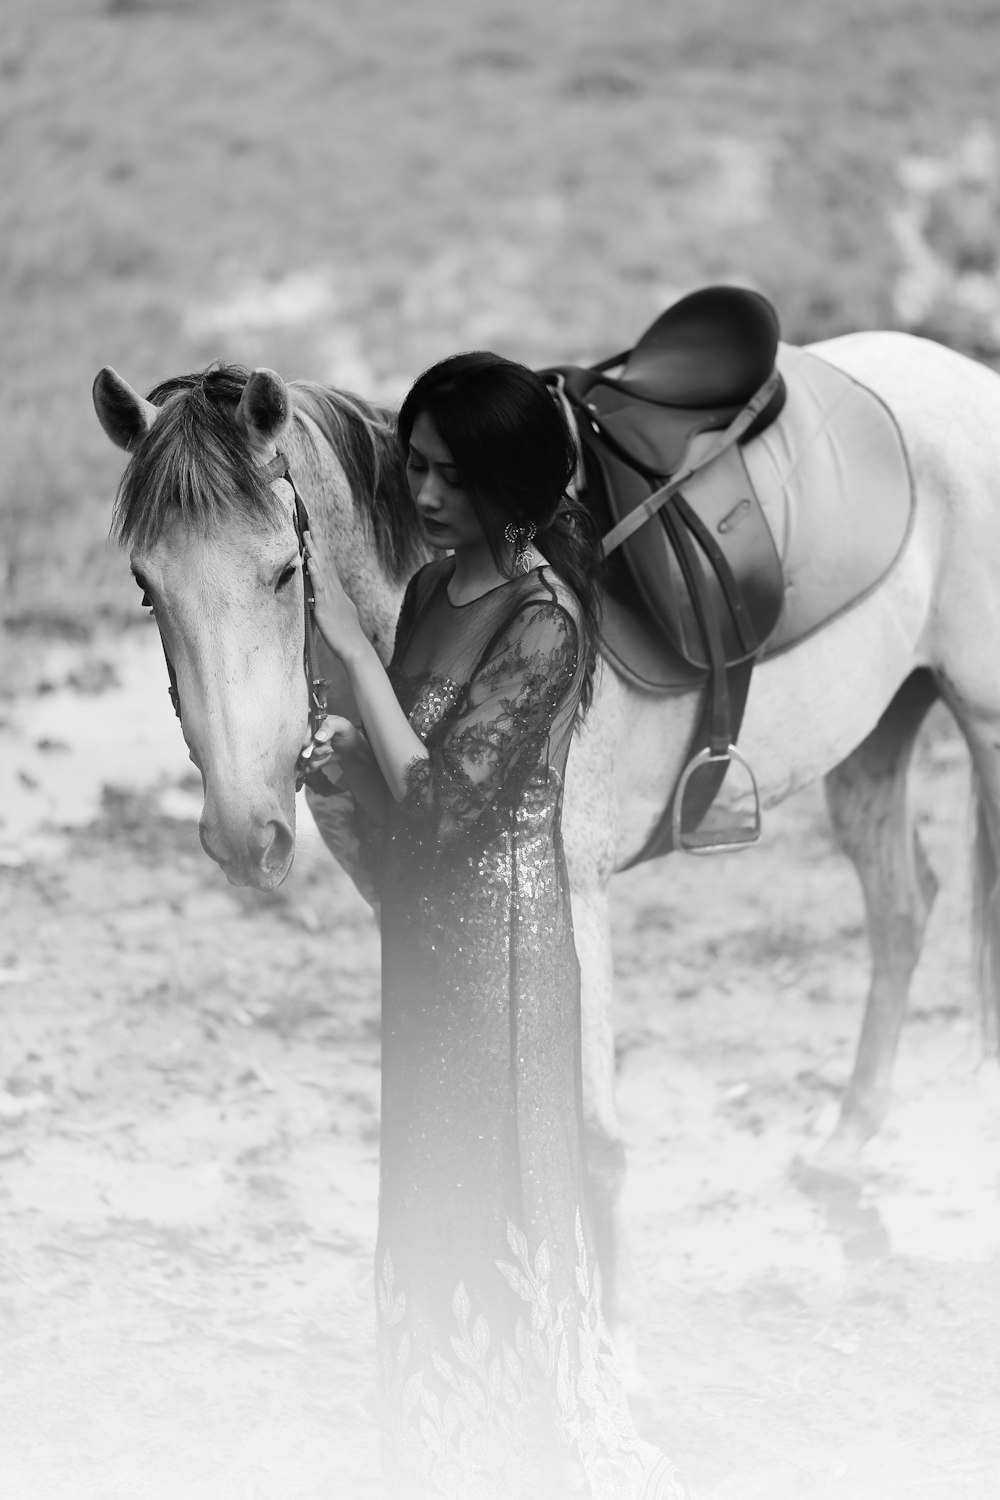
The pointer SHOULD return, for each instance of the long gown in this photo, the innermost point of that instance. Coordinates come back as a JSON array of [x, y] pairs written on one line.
[[497, 1377]]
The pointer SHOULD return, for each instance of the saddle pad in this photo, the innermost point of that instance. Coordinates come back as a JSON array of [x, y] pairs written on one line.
[[834, 483]]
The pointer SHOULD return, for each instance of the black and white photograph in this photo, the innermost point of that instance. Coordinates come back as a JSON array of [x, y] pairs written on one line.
[[500, 750]]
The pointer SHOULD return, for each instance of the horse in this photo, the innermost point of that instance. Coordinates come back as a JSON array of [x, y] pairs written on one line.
[[211, 528]]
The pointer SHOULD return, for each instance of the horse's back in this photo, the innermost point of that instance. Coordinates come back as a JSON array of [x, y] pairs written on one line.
[[919, 379]]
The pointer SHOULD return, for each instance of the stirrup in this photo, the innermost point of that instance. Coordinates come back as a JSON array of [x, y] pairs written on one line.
[[715, 840]]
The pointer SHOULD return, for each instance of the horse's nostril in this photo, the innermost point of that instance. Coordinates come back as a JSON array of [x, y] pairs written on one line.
[[210, 848], [257, 854], [278, 850]]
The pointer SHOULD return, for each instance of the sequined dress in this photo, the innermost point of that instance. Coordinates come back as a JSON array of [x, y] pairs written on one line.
[[497, 1379]]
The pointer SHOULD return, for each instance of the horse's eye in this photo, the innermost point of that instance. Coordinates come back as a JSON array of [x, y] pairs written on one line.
[[141, 583], [286, 576]]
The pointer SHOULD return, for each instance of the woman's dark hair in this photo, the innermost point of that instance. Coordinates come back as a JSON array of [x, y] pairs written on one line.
[[515, 457]]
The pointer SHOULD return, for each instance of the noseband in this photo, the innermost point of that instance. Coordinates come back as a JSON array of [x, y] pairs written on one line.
[[316, 687]]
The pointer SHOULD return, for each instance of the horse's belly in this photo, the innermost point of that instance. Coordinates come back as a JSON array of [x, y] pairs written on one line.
[[808, 707]]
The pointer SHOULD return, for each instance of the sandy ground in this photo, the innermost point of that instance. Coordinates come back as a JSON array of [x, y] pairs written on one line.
[[189, 1136]]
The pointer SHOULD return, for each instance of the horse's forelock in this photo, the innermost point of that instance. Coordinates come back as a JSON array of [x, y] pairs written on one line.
[[193, 463]]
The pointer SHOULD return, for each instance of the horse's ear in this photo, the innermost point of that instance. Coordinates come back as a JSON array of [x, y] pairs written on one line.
[[265, 409], [122, 412]]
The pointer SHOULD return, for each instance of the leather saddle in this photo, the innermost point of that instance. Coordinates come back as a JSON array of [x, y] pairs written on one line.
[[703, 571]]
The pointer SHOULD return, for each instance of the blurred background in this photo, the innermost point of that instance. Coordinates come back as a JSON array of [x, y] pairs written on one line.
[[347, 190]]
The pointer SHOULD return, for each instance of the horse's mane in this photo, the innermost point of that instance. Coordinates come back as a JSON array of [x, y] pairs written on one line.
[[364, 438], [193, 462]]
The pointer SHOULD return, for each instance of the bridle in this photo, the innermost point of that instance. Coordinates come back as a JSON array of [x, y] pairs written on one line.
[[316, 687]]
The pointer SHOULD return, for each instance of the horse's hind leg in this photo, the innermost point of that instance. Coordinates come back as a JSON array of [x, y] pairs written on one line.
[[978, 713], [869, 806]]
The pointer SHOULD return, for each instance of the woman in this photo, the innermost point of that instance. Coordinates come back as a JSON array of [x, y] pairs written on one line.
[[497, 1376]]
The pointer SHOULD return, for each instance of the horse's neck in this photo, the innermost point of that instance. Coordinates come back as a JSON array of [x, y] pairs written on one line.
[[335, 517]]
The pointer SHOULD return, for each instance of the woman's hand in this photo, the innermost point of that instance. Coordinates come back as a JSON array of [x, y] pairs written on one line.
[[389, 742], [335, 738], [335, 614]]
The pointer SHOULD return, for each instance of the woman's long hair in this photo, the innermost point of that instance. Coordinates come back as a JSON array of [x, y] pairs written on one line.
[[516, 458]]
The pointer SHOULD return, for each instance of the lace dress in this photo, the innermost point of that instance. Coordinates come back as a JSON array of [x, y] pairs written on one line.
[[497, 1378]]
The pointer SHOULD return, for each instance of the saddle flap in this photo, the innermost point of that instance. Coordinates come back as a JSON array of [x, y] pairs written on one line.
[[742, 577], [741, 571]]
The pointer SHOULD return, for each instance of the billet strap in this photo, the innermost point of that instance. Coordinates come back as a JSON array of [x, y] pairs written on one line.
[[732, 434]]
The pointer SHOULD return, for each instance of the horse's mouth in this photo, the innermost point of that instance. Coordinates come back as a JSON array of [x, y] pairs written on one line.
[[257, 879], [261, 858]]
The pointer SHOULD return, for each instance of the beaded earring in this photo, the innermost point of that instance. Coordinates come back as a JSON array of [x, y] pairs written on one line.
[[520, 537]]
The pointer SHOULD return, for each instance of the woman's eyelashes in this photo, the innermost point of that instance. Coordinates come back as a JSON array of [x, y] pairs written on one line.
[[416, 464]]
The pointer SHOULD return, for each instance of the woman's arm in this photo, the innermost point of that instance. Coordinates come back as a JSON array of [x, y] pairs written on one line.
[[515, 715], [338, 746], [392, 741]]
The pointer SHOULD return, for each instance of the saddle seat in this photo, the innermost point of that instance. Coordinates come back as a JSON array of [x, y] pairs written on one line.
[[692, 371], [711, 349]]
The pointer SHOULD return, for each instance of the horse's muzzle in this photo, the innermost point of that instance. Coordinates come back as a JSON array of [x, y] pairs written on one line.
[[261, 858]]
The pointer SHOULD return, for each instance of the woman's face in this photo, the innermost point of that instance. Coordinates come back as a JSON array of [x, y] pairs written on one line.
[[446, 511]]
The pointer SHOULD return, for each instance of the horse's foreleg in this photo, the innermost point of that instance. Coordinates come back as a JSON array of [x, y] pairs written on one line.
[[867, 797]]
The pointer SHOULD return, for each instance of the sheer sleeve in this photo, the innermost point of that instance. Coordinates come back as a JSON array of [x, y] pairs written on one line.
[[408, 612], [517, 704]]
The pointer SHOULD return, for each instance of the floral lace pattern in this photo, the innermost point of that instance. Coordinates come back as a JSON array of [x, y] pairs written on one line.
[[498, 1380], [473, 1427]]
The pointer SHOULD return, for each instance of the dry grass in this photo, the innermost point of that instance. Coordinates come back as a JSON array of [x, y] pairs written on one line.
[[541, 179]]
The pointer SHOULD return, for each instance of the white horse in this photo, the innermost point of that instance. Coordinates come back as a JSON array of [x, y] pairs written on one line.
[[214, 547]]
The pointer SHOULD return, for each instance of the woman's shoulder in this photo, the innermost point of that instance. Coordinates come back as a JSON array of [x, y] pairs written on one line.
[[539, 605], [544, 591]]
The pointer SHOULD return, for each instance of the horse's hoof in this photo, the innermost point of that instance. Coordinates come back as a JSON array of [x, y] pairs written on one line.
[[817, 1179]]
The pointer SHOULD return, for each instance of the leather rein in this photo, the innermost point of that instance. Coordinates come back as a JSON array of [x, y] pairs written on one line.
[[316, 687]]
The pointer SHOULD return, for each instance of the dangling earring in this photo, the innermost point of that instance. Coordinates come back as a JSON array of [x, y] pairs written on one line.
[[520, 538]]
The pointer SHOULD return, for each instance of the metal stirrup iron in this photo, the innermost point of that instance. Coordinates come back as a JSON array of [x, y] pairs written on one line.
[[715, 840]]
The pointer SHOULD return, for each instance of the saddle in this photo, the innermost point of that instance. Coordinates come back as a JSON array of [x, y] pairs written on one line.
[[747, 492], [706, 577]]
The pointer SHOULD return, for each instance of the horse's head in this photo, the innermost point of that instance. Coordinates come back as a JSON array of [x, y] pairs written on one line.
[[214, 547]]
